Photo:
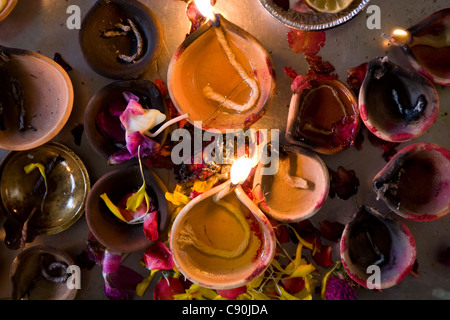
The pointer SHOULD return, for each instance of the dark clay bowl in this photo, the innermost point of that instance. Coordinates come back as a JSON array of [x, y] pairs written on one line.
[[114, 234], [100, 102], [102, 53]]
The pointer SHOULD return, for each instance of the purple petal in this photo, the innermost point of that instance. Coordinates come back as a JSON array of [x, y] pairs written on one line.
[[116, 108], [121, 285], [120, 156], [96, 251], [111, 261], [110, 127], [130, 96]]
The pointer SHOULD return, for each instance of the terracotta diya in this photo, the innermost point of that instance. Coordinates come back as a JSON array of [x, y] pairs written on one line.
[[222, 76], [298, 190], [120, 39], [415, 183], [324, 118], [426, 46], [9, 5], [36, 101], [221, 239]]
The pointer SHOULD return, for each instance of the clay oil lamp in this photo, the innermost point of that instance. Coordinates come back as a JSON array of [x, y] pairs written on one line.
[[427, 46], [221, 239], [324, 118], [103, 120], [43, 192], [120, 39], [41, 273], [221, 75], [397, 104], [125, 233], [299, 188], [415, 183], [372, 241], [36, 100], [6, 6]]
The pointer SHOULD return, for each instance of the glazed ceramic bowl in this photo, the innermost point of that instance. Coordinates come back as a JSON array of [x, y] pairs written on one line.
[[282, 197], [114, 234], [212, 248], [102, 53], [47, 102], [104, 145], [7, 9], [205, 59], [27, 279], [68, 186]]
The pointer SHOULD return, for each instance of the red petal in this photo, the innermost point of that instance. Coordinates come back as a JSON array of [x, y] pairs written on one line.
[[344, 183], [290, 72], [293, 285], [300, 83], [331, 230], [231, 294], [307, 42], [323, 256], [158, 257], [165, 289], [151, 226], [356, 77], [281, 231], [161, 86]]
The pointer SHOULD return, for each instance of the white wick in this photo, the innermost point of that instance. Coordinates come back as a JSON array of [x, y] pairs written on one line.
[[166, 124], [211, 94], [293, 181]]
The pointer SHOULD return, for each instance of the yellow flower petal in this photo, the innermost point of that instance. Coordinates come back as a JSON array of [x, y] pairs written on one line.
[[112, 207]]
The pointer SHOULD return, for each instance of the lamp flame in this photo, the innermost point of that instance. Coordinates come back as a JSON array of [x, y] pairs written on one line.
[[206, 9], [240, 170]]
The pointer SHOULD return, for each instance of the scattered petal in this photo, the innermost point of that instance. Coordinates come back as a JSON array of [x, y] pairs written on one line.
[[331, 230], [111, 261], [307, 42], [232, 294], [151, 226], [121, 285], [165, 289], [158, 256], [344, 183]]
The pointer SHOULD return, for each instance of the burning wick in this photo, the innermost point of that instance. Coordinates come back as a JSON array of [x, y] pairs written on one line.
[[399, 37], [205, 8], [239, 173]]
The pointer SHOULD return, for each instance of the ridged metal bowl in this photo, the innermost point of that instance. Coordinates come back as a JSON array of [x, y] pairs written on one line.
[[316, 20]]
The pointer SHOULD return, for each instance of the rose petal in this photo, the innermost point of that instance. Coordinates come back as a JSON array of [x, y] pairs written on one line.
[[293, 285], [111, 261], [165, 289], [322, 256], [151, 226], [307, 42], [231, 294], [158, 257], [331, 230], [121, 285]]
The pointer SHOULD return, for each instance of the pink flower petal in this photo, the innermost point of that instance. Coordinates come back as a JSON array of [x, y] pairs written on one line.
[[165, 289], [151, 226], [158, 257]]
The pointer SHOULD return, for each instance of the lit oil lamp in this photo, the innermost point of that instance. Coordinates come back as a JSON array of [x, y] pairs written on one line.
[[221, 75], [221, 239], [427, 45]]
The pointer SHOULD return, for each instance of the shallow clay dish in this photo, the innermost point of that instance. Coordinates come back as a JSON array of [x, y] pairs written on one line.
[[68, 186], [219, 229], [313, 21], [203, 59], [114, 234], [324, 118], [47, 98], [280, 198], [102, 54], [415, 183], [110, 94], [7, 10], [26, 275]]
